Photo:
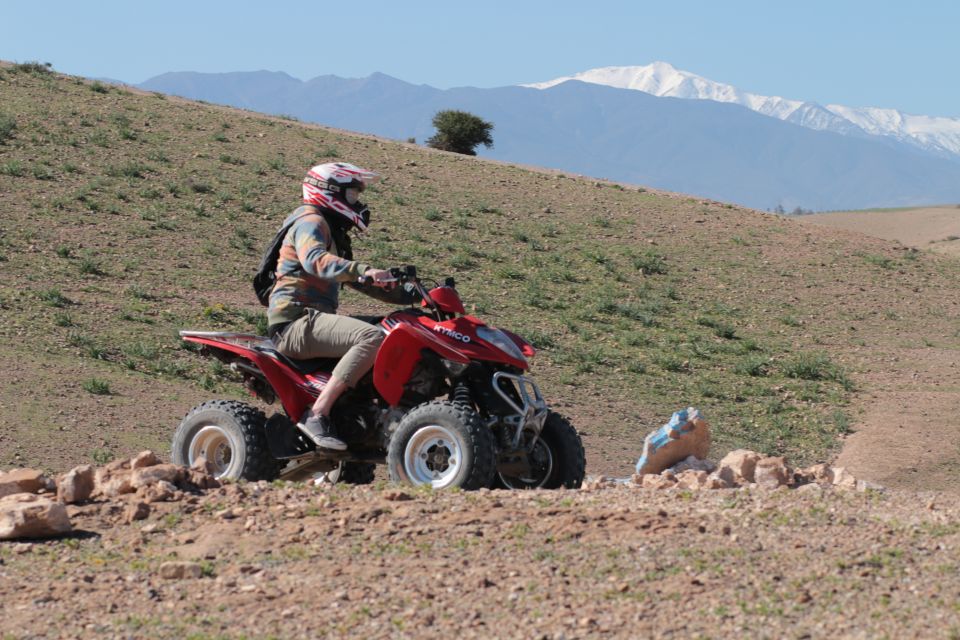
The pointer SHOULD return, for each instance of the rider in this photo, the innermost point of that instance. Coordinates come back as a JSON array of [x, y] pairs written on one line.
[[315, 260]]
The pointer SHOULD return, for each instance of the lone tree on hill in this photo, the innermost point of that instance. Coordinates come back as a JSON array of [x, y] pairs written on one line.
[[460, 132]]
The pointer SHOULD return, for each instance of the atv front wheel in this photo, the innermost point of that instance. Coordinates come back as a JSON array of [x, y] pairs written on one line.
[[557, 459], [444, 445], [230, 436]]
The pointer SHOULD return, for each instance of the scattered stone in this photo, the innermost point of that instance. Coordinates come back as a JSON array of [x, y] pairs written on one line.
[[159, 492], [201, 464], [772, 472], [76, 485], [395, 495], [144, 459], [112, 482], [686, 434], [22, 481], [694, 463], [593, 483], [25, 515], [816, 473], [134, 512], [171, 473], [652, 481], [714, 481], [202, 479], [691, 479], [180, 570], [738, 466], [840, 477]]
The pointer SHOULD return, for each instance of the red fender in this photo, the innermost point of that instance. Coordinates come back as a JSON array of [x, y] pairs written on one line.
[[400, 353], [284, 380]]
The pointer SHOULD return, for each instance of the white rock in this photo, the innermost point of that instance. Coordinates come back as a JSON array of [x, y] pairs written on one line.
[[76, 485]]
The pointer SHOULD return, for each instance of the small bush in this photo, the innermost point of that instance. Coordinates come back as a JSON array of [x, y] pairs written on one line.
[[102, 456], [649, 263], [8, 125], [98, 87], [128, 170], [754, 366], [97, 386], [54, 298], [816, 366], [33, 67], [89, 266], [13, 168]]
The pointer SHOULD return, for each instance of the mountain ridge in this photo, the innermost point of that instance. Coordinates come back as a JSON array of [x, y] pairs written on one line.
[[713, 149], [935, 134]]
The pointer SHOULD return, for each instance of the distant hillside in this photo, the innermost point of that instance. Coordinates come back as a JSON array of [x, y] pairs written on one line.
[[933, 228], [129, 216], [712, 149]]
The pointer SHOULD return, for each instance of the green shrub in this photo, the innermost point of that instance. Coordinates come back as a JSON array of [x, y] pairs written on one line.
[[33, 67], [649, 262], [8, 125], [816, 366], [54, 298], [12, 168], [755, 366], [97, 386]]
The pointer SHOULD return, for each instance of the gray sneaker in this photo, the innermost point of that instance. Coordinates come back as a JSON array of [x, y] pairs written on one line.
[[320, 429]]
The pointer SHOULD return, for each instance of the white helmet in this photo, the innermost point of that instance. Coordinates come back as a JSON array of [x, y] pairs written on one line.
[[337, 186]]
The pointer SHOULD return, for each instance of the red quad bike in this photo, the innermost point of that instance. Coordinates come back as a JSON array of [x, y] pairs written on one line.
[[446, 404]]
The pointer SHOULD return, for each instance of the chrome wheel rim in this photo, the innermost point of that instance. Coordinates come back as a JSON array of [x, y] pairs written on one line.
[[433, 456], [213, 444]]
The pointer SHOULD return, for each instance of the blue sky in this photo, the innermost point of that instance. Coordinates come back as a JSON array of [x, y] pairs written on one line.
[[880, 53]]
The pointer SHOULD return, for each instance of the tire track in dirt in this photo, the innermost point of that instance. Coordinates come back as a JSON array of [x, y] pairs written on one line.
[[907, 431]]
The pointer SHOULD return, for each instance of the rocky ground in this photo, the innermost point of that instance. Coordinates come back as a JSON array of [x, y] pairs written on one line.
[[258, 560]]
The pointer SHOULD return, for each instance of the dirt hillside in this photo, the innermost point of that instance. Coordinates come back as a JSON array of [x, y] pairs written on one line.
[[128, 217]]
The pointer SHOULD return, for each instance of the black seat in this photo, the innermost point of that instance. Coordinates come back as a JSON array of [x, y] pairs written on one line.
[[374, 320], [305, 367]]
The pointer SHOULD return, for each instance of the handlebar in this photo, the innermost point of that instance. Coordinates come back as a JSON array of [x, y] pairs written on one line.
[[408, 274], [400, 274]]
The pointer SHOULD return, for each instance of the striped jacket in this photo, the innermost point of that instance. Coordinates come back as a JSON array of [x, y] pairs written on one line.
[[309, 269]]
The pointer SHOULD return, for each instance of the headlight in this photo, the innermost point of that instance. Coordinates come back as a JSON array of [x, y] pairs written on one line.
[[454, 368], [500, 340]]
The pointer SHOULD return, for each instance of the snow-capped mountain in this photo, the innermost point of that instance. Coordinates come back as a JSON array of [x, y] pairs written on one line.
[[939, 135]]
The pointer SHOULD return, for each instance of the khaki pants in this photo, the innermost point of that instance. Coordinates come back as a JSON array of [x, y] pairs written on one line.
[[328, 335]]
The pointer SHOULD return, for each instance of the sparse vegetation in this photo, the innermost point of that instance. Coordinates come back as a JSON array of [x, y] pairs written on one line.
[[630, 301], [96, 386]]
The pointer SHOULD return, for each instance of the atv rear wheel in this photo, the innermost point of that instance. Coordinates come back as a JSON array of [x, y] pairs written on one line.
[[444, 445], [231, 436], [557, 459]]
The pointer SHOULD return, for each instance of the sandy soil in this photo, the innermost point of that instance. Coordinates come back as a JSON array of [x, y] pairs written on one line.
[[934, 228]]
